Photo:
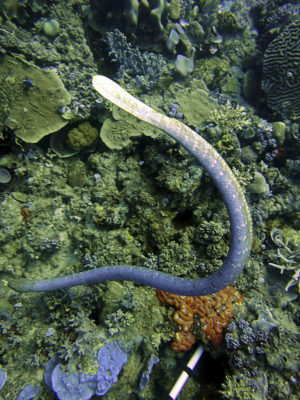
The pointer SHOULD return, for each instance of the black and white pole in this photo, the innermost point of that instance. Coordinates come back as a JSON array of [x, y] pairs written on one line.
[[183, 377]]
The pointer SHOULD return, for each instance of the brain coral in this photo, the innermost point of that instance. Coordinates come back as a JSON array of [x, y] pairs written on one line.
[[281, 72], [82, 136]]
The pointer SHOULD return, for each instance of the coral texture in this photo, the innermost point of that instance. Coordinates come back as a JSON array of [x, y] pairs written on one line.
[[281, 72], [215, 312]]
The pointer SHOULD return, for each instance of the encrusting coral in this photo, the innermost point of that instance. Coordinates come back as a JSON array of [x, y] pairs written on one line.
[[215, 312]]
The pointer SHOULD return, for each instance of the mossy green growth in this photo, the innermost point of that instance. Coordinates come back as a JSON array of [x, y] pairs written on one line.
[[227, 22], [82, 136], [30, 99]]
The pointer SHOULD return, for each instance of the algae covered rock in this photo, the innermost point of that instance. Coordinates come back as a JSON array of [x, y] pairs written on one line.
[[83, 135], [30, 99], [5, 176]]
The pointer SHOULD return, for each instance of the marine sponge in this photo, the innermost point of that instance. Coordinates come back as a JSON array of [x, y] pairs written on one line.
[[83, 135]]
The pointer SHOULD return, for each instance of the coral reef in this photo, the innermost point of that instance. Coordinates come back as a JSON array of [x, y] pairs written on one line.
[[145, 201], [67, 53]]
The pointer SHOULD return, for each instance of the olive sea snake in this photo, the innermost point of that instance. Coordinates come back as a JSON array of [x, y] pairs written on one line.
[[223, 178]]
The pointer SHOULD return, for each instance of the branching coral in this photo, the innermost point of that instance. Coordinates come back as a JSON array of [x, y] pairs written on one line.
[[215, 312], [229, 118], [287, 258]]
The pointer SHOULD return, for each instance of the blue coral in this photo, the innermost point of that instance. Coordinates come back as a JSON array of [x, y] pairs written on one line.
[[72, 387], [29, 392], [82, 386], [111, 360]]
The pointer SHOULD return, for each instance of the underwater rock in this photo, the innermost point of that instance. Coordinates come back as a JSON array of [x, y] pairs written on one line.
[[5, 176], [184, 65], [51, 28], [32, 98]]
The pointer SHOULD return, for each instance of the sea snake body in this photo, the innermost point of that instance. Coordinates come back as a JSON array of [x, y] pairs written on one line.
[[222, 176]]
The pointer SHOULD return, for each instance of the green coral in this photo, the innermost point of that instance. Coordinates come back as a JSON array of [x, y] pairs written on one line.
[[227, 22], [288, 254], [175, 9], [147, 203], [259, 185], [212, 70]]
